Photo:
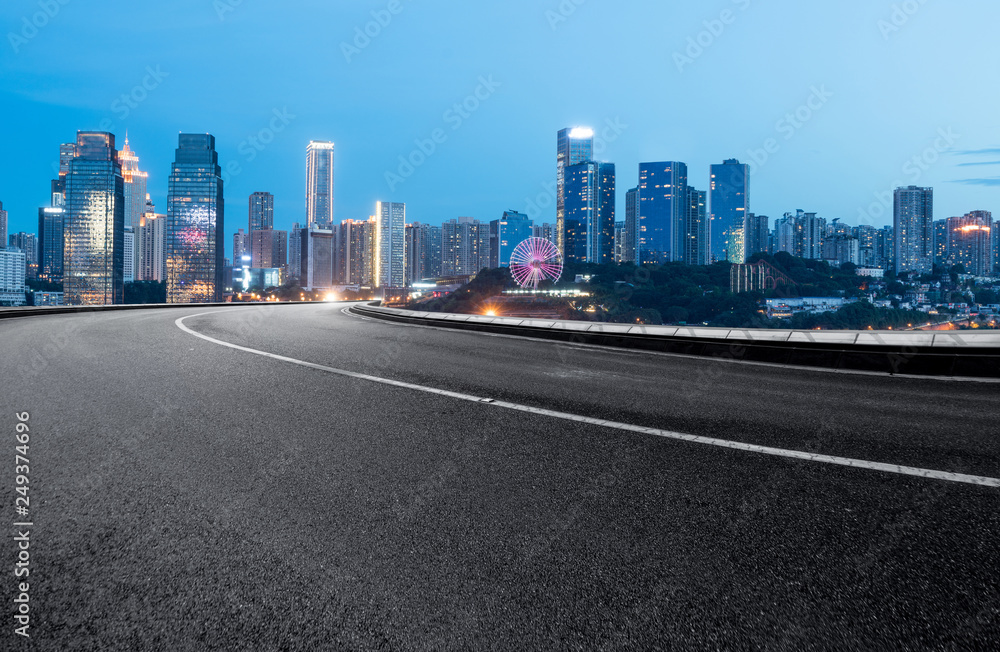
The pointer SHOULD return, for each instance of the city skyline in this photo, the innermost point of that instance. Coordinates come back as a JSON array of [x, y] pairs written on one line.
[[264, 135]]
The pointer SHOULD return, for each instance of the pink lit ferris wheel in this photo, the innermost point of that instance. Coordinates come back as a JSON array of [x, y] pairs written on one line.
[[535, 260]]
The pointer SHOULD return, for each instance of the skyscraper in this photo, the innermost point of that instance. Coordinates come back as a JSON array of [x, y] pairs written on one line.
[[756, 239], [268, 248], [800, 234], [94, 230], [295, 251], [913, 221], [195, 219], [971, 242], [261, 211], [355, 252], [465, 249], [573, 145], [241, 246], [589, 212], [27, 243], [390, 245], [151, 240], [505, 234], [630, 250], [50, 243], [730, 195], [696, 229], [316, 265], [319, 184], [663, 210], [135, 185]]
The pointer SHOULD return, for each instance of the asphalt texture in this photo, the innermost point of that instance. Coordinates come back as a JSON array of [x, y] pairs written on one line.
[[188, 496]]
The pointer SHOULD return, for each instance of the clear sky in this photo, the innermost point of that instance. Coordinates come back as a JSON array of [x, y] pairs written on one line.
[[900, 91]]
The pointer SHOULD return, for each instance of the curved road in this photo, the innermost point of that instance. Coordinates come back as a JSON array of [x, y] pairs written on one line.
[[356, 493]]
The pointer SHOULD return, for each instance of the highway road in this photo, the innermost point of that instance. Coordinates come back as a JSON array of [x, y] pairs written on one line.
[[385, 486]]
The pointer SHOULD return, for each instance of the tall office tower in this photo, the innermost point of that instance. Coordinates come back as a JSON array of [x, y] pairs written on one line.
[[697, 233], [319, 184], [631, 252], [241, 247], [27, 243], [317, 254], [295, 251], [913, 221], [195, 222], [573, 145], [390, 252], [151, 241], [50, 243], [941, 242], [261, 211], [662, 212], [730, 205], [544, 231], [971, 242], [589, 212], [268, 249], [3, 226], [505, 234], [94, 229], [756, 238], [12, 289], [135, 185], [464, 247]]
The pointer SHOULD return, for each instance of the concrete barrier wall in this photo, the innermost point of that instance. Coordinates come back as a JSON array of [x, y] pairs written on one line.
[[932, 353]]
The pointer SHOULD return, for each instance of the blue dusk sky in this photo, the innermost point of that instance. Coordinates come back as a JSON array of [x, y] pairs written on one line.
[[833, 103]]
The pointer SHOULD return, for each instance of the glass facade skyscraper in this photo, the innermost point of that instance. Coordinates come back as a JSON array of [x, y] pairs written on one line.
[[913, 224], [195, 217], [506, 233], [390, 244], [696, 229], [319, 184], [589, 214], [663, 212], [135, 185], [261, 211], [573, 145], [730, 197], [94, 228]]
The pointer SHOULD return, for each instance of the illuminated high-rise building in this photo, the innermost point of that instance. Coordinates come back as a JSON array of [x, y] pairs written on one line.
[[319, 184], [573, 145], [465, 247], [261, 211], [241, 246], [757, 236], [664, 206], [589, 212], [294, 251], [423, 252], [505, 234], [913, 222], [195, 216], [355, 252], [27, 243], [150, 242], [696, 229], [971, 242], [390, 244], [135, 185], [94, 229], [730, 197], [50, 243]]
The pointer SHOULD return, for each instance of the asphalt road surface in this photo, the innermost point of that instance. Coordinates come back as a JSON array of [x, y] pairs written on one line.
[[186, 495]]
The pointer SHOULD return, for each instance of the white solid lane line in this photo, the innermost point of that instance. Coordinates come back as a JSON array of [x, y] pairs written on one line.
[[667, 434]]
